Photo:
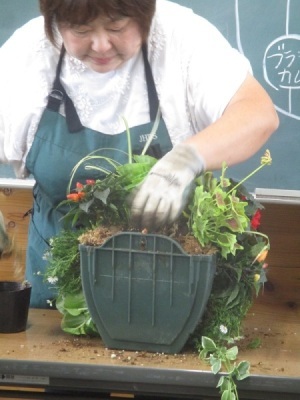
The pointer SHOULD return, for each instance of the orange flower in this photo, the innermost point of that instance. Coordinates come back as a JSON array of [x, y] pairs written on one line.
[[76, 197], [73, 196], [90, 181], [80, 195], [262, 256]]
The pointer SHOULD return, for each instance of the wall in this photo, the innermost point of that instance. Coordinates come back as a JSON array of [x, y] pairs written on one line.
[[14, 204]]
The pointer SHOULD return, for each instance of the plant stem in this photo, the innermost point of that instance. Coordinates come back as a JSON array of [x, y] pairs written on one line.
[[258, 234], [246, 178], [128, 141]]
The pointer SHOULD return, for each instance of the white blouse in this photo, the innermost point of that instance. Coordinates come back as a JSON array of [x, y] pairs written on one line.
[[196, 73]]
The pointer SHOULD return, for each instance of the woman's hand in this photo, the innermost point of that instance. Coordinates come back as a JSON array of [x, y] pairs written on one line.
[[163, 194]]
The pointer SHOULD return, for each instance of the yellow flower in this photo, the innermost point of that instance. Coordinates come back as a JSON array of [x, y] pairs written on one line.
[[256, 277], [266, 159]]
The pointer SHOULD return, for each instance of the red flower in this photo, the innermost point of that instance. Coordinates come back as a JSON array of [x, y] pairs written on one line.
[[90, 182], [255, 221]]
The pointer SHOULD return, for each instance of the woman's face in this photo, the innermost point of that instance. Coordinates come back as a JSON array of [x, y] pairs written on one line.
[[103, 44]]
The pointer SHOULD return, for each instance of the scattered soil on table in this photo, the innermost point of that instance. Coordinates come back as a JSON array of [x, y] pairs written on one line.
[[277, 352], [73, 349]]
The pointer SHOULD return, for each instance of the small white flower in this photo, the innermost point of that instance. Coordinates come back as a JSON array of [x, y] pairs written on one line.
[[52, 279], [47, 256], [223, 329], [50, 302]]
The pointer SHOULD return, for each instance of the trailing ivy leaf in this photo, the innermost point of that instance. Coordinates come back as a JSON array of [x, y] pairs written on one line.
[[208, 344], [243, 370], [232, 353], [221, 382], [228, 395], [216, 366]]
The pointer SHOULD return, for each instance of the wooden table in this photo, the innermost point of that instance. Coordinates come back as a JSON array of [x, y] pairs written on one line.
[[44, 357]]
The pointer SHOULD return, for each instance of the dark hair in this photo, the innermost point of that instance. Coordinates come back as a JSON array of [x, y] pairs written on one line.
[[78, 12]]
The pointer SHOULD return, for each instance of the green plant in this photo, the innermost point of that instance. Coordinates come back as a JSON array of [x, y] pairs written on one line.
[[218, 214], [221, 215], [219, 357], [104, 201], [101, 202]]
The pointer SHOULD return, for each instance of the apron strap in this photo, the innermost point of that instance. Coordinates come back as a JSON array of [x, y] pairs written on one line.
[[152, 93], [58, 95]]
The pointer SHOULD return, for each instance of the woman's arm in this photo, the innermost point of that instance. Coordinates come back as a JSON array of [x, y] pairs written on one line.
[[246, 124]]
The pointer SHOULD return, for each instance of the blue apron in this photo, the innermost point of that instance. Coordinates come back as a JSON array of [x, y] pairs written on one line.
[[59, 144]]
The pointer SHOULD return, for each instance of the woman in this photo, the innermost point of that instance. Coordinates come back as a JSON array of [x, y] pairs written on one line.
[[69, 79]]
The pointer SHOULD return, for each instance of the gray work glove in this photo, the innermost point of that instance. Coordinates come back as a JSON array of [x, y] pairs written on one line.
[[163, 194]]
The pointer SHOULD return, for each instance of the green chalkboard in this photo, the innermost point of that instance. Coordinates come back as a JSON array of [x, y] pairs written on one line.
[[268, 33], [14, 13]]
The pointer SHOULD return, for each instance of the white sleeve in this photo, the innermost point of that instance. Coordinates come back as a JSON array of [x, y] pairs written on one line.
[[26, 65], [215, 73], [196, 70]]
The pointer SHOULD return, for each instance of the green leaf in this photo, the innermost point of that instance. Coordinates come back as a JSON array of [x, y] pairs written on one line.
[[203, 354], [220, 199], [84, 206], [72, 303], [79, 325], [228, 395], [102, 195], [208, 344], [227, 243], [233, 295], [243, 370], [221, 382], [225, 383], [216, 366], [224, 182], [76, 317], [232, 353]]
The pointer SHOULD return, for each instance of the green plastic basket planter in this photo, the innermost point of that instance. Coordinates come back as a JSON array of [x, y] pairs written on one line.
[[144, 292]]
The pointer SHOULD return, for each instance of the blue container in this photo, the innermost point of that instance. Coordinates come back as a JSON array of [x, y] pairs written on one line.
[[144, 292]]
